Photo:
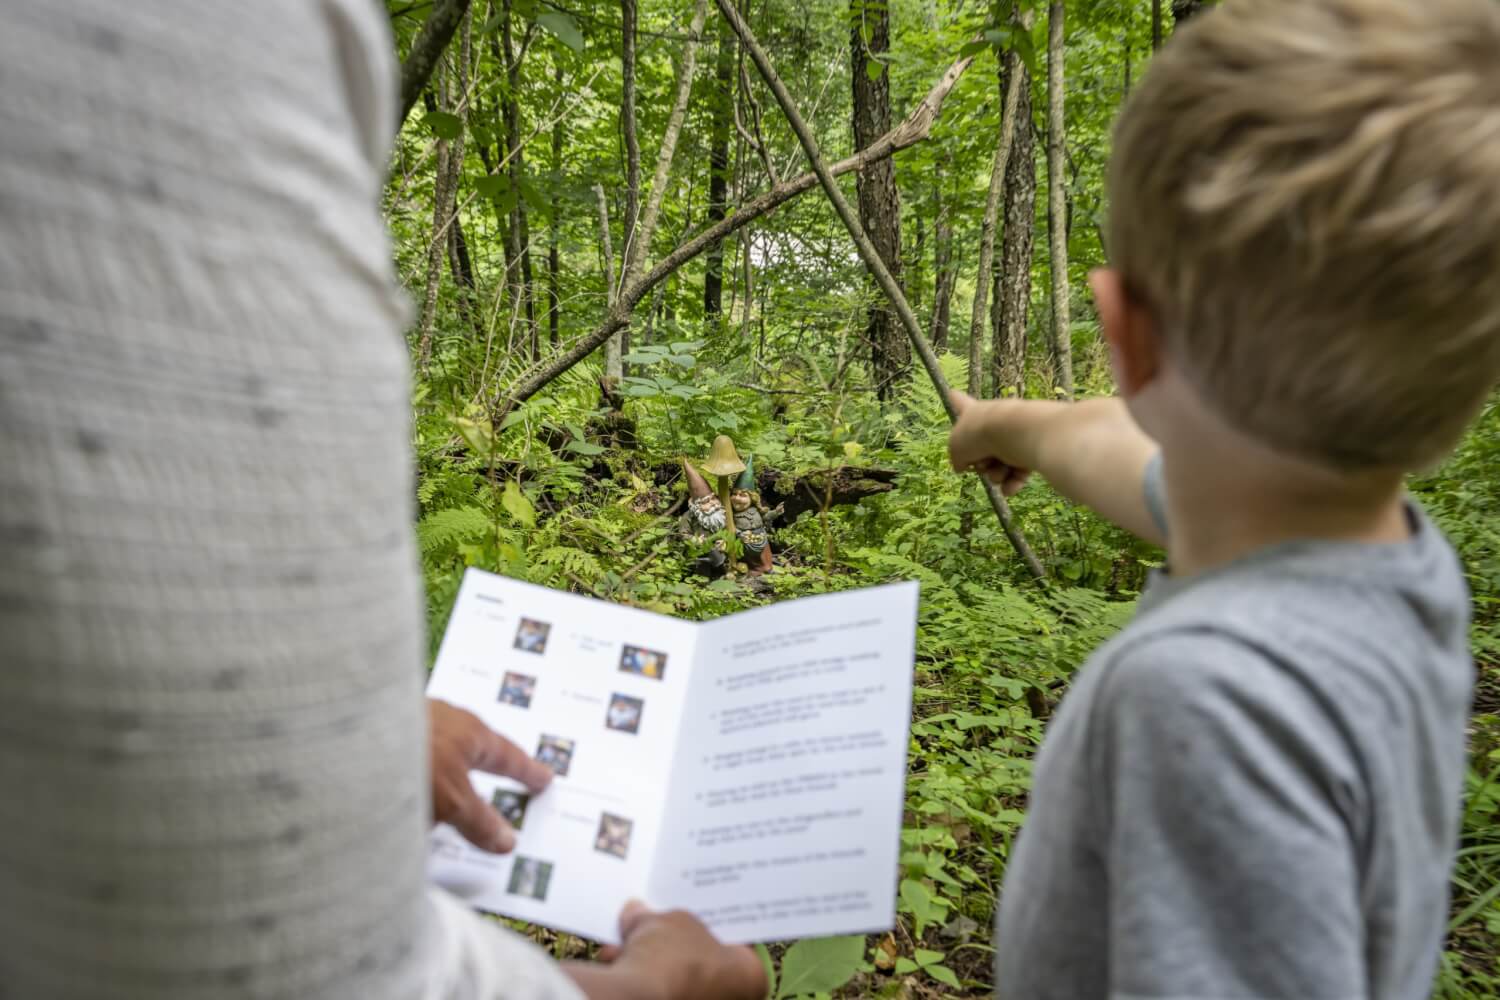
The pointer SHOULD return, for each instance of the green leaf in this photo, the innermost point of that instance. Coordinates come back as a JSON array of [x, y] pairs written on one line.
[[944, 975], [820, 965], [583, 448], [443, 125], [641, 358], [926, 956], [905, 966], [683, 360], [517, 506], [764, 954], [492, 185], [562, 26], [642, 391], [874, 69]]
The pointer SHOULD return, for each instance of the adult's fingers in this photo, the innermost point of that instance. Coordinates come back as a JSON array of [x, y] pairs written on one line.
[[632, 917], [478, 822], [491, 752]]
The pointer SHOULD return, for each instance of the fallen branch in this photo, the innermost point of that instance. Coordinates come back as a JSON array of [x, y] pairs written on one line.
[[915, 128], [437, 31], [872, 260]]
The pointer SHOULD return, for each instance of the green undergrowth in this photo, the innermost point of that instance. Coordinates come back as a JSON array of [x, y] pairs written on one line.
[[995, 652]]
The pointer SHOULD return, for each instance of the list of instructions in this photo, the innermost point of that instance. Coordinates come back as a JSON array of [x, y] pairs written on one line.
[[783, 817]]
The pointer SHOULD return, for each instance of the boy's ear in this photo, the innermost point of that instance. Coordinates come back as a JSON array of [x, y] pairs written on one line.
[[1129, 328]]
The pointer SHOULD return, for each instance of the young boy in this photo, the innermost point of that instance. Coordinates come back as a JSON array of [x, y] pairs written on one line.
[[1253, 791]]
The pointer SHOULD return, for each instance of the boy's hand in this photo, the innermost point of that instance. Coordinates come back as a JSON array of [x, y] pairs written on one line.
[[458, 742], [983, 441], [670, 956]]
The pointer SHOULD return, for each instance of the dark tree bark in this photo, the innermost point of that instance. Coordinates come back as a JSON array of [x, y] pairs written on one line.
[[1013, 296], [554, 316], [1155, 25], [517, 235], [879, 201], [1058, 215], [942, 265], [632, 138], [437, 31], [718, 169]]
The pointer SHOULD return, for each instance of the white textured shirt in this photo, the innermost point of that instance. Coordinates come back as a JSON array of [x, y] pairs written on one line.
[[213, 780]]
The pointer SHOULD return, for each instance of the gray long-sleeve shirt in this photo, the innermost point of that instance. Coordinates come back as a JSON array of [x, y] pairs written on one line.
[[212, 771], [1253, 791]]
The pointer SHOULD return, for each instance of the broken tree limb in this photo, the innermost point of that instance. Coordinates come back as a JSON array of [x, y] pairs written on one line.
[[873, 262], [437, 31], [915, 128]]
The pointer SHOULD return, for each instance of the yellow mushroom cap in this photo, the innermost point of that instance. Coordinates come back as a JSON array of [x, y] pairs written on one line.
[[723, 460]]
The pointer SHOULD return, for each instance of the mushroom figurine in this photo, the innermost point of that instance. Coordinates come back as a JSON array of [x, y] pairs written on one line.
[[724, 463]]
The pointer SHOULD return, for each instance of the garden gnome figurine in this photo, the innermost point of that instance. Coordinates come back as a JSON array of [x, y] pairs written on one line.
[[724, 462], [751, 524], [705, 518]]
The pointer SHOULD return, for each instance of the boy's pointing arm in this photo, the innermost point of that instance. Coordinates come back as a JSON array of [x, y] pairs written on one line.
[[1091, 452]]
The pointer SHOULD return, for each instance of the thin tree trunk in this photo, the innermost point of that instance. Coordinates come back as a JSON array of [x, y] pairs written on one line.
[[718, 169], [517, 229], [1155, 25], [639, 247], [942, 265], [426, 50], [612, 368], [1015, 73], [915, 278], [916, 127], [871, 256], [879, 200], [458, 247], [554, 314], [1013, 298], [1057, 211]]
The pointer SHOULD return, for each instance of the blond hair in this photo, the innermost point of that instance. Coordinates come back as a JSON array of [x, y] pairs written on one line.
[[1307, 195]]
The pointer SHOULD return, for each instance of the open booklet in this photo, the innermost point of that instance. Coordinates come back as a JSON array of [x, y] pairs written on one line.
[[749, 769]]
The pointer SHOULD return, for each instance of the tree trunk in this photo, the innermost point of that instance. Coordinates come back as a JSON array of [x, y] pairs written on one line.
[[718, 170], [1013, 73], [517, 229], [614, 364], [554, 315], [879, 201], [942, 265], [640, 244], [1057, 209], [1013, 302]]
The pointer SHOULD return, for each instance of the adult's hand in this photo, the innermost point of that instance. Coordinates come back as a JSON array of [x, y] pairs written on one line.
[[458, 742], [670, 956]]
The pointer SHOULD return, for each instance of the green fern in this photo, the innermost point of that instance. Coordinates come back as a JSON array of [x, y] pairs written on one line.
[[441, 533]]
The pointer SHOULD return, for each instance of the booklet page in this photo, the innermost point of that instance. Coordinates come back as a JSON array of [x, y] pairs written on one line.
[[594, 690], [787, 791]]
